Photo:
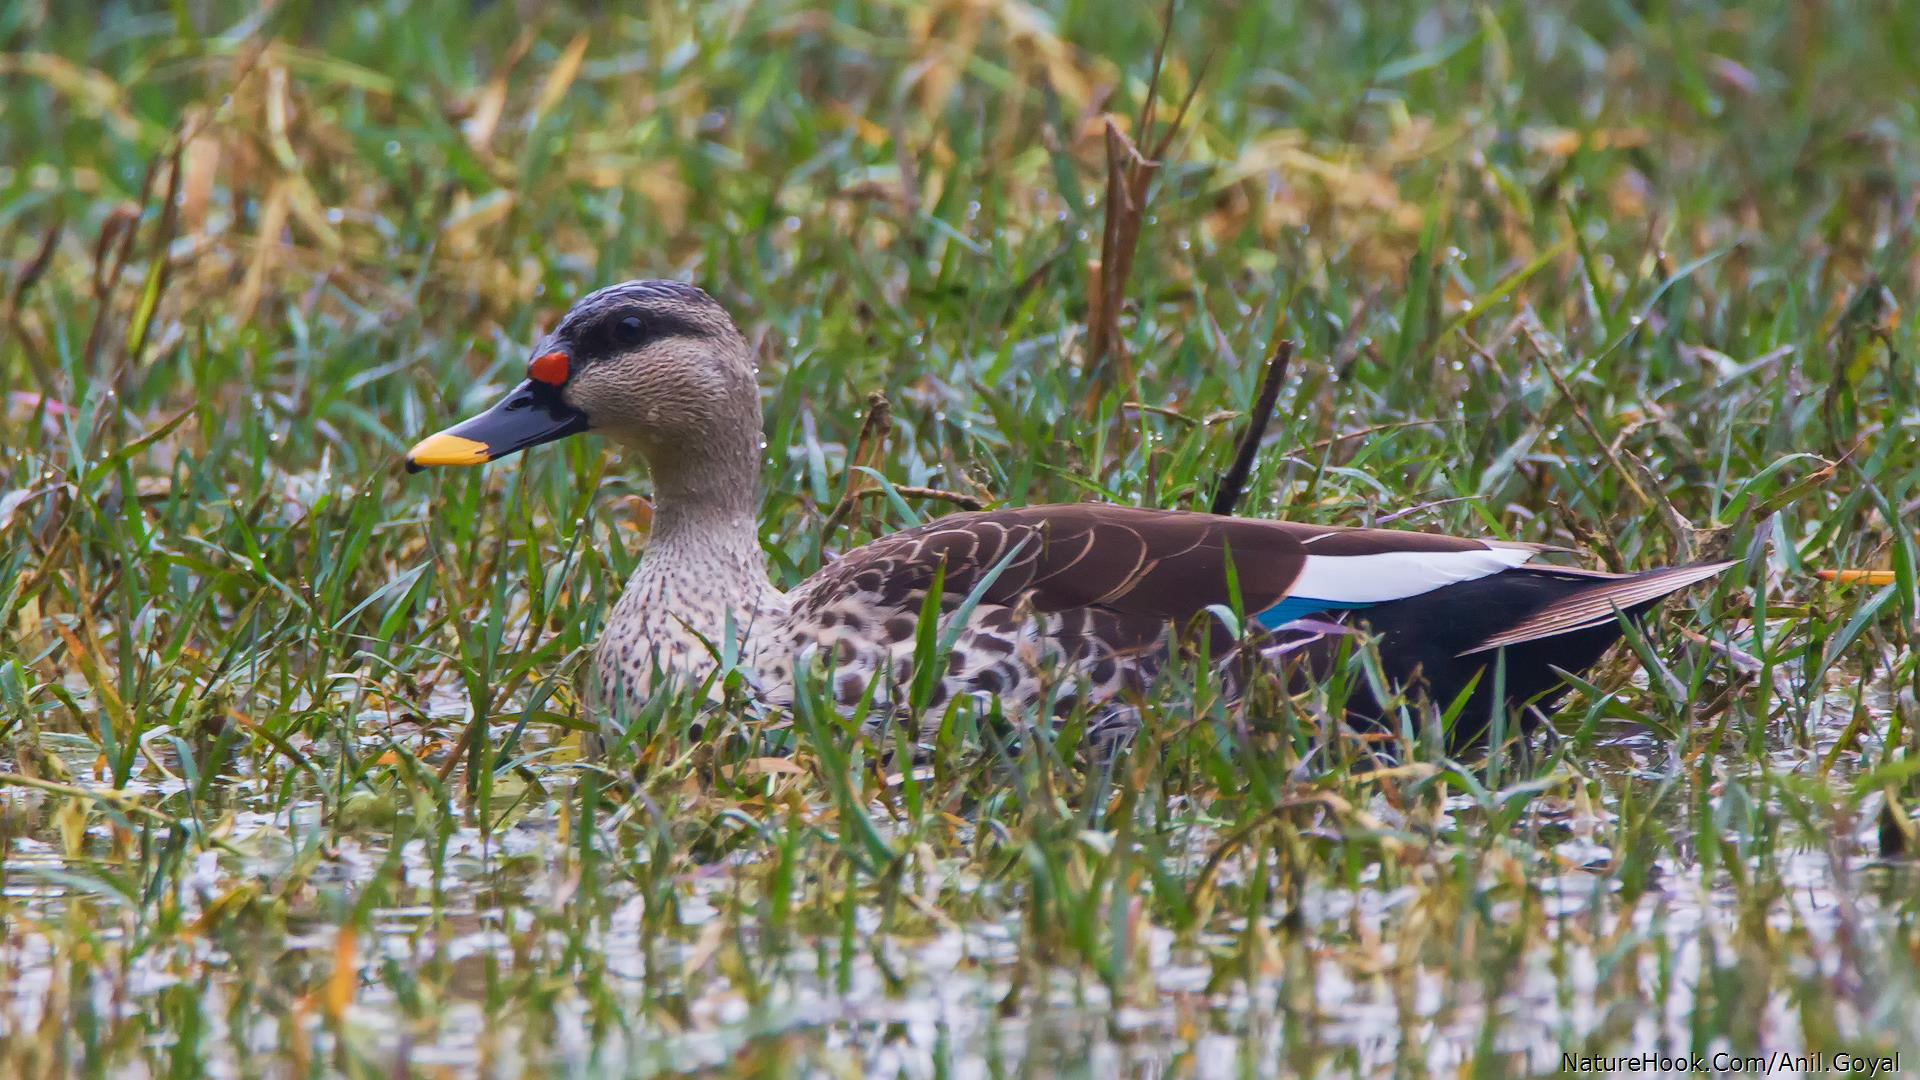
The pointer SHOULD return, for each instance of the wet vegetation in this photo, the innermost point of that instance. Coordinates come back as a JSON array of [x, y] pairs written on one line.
[[292, 775]]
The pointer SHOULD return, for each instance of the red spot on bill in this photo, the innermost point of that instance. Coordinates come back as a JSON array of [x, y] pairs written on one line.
[[550, 368]]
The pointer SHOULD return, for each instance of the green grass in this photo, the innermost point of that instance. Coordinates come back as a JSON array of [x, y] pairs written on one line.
[[1635, 279]]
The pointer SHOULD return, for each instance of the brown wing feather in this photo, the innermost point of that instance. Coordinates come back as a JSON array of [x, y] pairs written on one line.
[[1165, 564], [1591, 606], [1335, 540]]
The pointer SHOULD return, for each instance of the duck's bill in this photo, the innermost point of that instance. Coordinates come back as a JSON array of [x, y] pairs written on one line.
[[532, 414]]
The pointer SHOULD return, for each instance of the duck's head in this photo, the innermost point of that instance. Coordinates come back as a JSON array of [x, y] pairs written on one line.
[[657, 365]]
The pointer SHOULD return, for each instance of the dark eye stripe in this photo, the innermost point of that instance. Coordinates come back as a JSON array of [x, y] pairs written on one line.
[[608, 332]]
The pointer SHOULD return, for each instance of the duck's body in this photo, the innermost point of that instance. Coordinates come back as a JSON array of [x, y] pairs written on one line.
[[1088, 602], [1063, 607]]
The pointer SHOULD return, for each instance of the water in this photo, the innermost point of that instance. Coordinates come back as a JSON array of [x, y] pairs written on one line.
[[491, 951]]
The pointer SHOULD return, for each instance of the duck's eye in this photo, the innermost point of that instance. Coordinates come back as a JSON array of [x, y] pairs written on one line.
[[627, 331]]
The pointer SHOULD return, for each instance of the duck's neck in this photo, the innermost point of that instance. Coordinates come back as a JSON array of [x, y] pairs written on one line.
[[703, 566], [707, 485], [716, 548]]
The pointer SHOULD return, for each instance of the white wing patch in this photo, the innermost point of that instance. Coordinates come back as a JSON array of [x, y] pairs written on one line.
[[1394, 575]]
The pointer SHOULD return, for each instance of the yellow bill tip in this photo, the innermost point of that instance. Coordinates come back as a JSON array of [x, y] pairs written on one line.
[[1856, 577], [445, 449]]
